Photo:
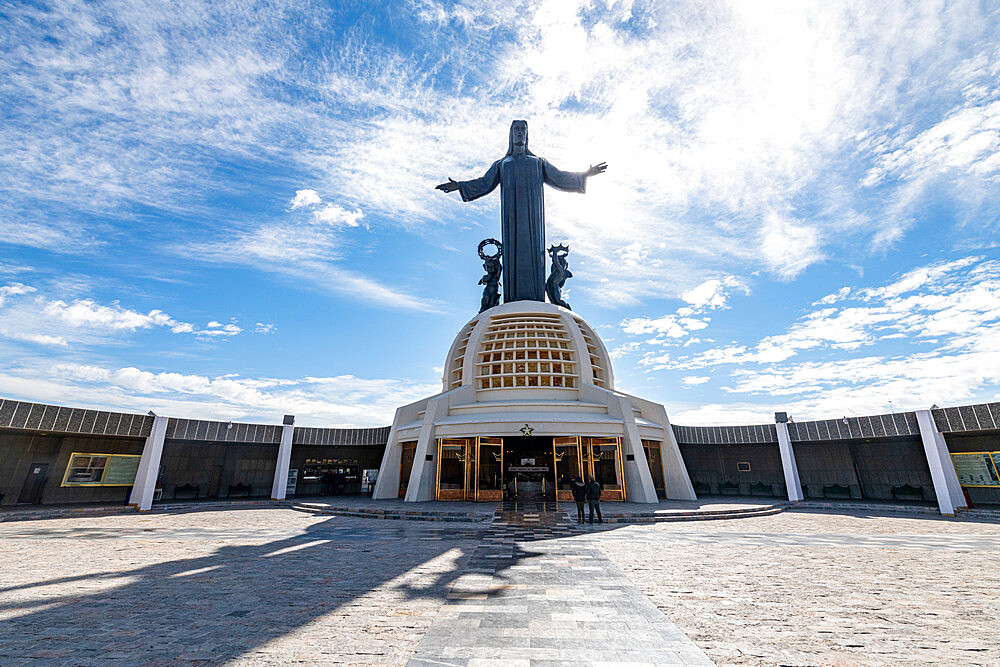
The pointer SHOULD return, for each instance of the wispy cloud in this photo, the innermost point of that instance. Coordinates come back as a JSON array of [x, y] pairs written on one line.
[[934, 336], [673, 328], [44, 320], [726, 135], [307, 244], [316, 401]]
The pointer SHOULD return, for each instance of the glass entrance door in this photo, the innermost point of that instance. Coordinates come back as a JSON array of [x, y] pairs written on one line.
[[652, 449], [566, 451], [456, 469], [489, 473], [600, 458], [406, 465]]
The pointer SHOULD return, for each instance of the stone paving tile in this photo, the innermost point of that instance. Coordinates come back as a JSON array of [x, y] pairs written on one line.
[[808, 588], [536, 603], [275, 586], [241, 587]]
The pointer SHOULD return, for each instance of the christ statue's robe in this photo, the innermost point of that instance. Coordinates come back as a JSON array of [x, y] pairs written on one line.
[[522, 211]]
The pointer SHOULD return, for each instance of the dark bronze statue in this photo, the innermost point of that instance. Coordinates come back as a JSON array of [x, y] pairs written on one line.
[[557, 278], [493, 269], [520, 175]]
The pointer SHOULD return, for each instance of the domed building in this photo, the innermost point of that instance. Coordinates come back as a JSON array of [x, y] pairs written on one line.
[[528, 403]]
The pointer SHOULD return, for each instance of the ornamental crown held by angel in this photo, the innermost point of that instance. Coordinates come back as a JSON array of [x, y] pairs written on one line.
[[520, 175]]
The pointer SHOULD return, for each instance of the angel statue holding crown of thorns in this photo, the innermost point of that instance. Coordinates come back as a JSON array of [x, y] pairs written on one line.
[[557, 278]]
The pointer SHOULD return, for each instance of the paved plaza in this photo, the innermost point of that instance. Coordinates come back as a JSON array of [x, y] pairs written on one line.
[[276, 586]]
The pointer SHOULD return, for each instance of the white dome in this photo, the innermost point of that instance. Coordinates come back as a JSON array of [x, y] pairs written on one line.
[[527, 346]]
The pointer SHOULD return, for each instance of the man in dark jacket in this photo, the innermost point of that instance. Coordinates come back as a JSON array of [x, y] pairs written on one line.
[[594, 499], [580, 496]]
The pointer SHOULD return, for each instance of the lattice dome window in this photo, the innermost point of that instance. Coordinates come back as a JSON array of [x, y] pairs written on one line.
[[600, 373], [456, 363], [526, 351]]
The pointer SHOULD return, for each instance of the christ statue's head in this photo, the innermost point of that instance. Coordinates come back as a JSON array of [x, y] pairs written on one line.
[[518, 138]]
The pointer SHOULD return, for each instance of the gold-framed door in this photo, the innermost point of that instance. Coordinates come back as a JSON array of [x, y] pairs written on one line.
[[587, 456], [653, 458], [407, 452], [488, 473], [470, 469], [567, 463], [456, 469]]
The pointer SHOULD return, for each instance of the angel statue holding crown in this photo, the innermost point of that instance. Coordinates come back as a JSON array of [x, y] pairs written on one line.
[[520, 175]]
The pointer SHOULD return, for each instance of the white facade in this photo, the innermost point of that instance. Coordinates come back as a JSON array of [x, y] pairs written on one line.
[[538, 365]]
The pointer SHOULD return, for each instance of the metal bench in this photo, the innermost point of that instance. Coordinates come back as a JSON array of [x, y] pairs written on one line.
[[761, 489], [907, 492], [240, 489], [836, 491], [702, 489], [186, 491], [729, 489]]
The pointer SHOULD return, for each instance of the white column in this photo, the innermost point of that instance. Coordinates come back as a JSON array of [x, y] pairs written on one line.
[[149, 466], [946, 486], [280, 487], [788, 465]]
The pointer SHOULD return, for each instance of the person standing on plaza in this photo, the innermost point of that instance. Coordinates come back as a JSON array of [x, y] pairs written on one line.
[[594, 499], [580, 496]]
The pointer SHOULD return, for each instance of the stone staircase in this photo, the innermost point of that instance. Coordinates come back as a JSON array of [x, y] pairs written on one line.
[[390, 513], [667, 516]]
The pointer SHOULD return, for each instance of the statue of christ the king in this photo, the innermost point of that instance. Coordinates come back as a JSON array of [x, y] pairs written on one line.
[[520, 175]]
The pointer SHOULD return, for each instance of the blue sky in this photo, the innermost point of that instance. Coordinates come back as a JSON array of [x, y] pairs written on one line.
[[227, 210]]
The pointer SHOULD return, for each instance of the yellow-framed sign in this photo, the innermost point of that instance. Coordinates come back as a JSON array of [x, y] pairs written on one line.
[[89, 469], [977, 468]]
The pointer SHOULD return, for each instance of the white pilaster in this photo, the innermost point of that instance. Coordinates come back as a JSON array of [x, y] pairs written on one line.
[[280, 487], [149, 466], [946, 486], [387, 484], [788, 465], [639, 485], [423, 476]]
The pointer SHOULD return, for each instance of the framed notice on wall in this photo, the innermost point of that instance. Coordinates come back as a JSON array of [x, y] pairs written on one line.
[[976, 468], [101, 469]]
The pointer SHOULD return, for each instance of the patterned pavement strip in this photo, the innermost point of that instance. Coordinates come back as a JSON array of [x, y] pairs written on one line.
[[531, 596]]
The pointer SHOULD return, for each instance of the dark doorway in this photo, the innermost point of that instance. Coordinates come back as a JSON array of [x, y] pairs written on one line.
[[529, 473], [34, 484]]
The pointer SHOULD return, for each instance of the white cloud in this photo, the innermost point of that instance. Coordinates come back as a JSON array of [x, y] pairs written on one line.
[[839, 295], [14, 289], [308, 248], [718, 123], [305, 198], [48, 321], [337, 215], [959, 299], [691, 380], [967, 141], [344, 400], [789, 246], [263, 328], [713, 293]]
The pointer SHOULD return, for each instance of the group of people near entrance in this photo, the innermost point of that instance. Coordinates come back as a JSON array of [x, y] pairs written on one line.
[[587, 492]]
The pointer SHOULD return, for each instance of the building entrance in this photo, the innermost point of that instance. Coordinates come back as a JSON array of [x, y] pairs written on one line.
[[529, 470]]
